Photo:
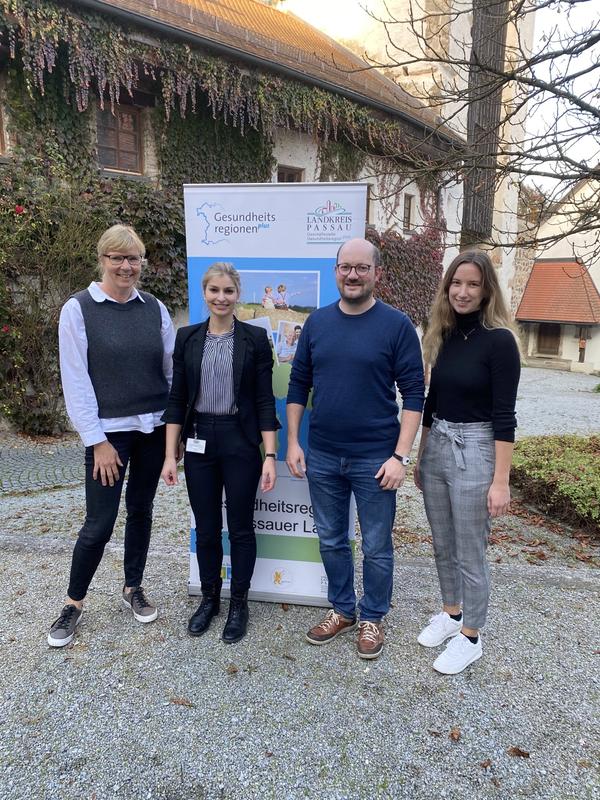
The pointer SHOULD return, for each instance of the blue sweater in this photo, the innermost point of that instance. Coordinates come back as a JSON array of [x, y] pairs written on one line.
[[354, 362]]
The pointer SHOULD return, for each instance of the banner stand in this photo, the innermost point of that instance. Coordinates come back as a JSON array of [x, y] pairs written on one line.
[[283, 239]]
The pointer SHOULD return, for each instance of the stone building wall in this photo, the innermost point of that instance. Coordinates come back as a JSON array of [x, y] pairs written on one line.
[[524, 258]]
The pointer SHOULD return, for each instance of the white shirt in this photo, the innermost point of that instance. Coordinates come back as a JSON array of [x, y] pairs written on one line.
[[80, 398]]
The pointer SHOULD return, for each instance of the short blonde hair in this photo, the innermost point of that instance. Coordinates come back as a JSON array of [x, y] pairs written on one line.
[[221, 269], [121, 238]]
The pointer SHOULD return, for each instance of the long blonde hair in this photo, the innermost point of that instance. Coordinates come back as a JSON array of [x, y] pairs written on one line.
[[494, 312]]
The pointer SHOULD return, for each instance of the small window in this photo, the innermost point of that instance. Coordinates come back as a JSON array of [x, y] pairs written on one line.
[[289, 175], [119, 141], [407, 218]]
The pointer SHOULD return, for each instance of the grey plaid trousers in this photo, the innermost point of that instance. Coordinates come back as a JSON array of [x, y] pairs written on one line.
[[456, 470]]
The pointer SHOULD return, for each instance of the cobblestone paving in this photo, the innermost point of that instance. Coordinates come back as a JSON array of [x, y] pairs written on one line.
[[28, 465], [548, 402]]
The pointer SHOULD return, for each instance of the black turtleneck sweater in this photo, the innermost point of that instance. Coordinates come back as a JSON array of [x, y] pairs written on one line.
[[476, 379]]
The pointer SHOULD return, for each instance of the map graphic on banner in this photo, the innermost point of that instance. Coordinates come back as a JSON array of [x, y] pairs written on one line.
[[283, 240]]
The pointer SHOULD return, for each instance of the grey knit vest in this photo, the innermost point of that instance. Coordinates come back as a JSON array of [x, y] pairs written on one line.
[[125, 355]]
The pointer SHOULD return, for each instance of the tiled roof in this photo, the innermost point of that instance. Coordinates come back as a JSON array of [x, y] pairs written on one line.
[[560, 291], [253, 30]]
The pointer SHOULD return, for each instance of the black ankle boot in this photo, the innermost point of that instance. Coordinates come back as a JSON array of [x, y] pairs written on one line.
[[208, 608], [237, 619]]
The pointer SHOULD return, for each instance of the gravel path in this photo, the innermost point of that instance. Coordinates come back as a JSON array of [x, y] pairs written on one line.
[[550, 401], [132, 711]]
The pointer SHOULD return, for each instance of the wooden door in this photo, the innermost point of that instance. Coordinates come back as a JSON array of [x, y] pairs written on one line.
[[548, 341]]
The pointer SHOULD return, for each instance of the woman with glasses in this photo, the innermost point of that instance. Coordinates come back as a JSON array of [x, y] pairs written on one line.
[[222, 408], [465, 453], [115, 346]]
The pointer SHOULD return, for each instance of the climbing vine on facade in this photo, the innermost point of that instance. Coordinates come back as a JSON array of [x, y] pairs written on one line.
[[215, 121], [106, 59], [200, 149], [412, 269], [340, 161], [48, 235]]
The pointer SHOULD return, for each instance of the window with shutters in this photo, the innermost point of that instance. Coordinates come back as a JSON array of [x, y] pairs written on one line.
[[119, 139]]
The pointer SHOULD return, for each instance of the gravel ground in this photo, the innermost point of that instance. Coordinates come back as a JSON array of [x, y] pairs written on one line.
[[132, 711], [550, 401]]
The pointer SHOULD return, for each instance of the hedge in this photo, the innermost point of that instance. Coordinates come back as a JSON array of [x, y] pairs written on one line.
[[561, 476]]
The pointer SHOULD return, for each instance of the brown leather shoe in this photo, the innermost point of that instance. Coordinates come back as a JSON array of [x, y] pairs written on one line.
[[329, 628], [370, 639]]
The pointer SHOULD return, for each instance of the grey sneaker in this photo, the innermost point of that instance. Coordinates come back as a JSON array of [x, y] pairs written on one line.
[[63, 629], [136, 600]]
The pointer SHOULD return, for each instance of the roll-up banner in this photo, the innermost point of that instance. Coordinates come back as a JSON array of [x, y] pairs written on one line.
[[283, 239]]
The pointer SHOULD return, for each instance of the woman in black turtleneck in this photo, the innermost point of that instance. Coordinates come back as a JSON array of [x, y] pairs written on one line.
[[465, 453]]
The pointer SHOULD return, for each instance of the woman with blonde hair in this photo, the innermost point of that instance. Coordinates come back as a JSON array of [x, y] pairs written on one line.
[[465, 453], [222, 407], [115, 347]]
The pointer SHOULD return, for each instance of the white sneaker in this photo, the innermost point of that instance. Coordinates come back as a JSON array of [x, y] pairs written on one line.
[[459, 653], [441, 627]]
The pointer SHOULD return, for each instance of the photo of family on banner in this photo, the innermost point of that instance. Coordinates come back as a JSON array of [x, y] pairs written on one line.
[[283, 240]]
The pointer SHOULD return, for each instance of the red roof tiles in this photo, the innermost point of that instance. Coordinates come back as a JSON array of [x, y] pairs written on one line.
[[560, 291]]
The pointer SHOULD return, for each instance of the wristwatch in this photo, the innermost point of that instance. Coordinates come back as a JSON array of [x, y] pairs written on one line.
[[271, 455], [404, 460]]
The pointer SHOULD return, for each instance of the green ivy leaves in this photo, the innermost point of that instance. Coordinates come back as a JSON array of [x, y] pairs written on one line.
[[102, 57]]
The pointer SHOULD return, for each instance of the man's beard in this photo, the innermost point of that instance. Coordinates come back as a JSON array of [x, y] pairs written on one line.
[[355, 299]]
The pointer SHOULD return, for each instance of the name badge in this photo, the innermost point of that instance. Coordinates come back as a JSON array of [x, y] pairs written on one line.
[[195, 445]]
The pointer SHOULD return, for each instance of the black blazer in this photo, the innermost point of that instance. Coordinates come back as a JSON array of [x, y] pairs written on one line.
[[252, 379]]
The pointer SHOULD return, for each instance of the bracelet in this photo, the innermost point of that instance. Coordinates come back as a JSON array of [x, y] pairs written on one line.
[[271, 455]]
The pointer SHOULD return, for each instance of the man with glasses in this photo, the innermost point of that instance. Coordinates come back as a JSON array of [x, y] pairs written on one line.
[[353, 353]]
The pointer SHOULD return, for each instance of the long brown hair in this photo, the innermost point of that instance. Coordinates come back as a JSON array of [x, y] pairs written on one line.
[[494, 312]]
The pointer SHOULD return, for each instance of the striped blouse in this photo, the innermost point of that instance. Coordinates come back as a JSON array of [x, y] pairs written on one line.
[[216, 381]]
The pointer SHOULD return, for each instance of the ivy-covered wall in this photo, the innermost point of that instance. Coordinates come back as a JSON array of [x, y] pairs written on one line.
[[50, 136], [200, 149], [106, 60], [55, 202], [214, 121], [412, 270]]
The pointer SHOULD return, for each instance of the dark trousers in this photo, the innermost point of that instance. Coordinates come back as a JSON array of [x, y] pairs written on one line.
[[231, 462], [145, 454]]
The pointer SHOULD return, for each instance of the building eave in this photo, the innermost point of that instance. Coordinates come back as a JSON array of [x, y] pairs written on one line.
[[429, 135]]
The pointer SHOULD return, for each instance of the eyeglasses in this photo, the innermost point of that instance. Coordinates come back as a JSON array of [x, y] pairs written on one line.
[[135, 261], [346, 269]]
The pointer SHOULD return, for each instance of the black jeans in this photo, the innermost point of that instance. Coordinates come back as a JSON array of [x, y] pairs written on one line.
[[230, 461], [145, 454]]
